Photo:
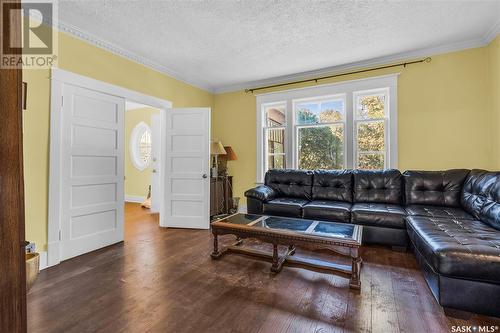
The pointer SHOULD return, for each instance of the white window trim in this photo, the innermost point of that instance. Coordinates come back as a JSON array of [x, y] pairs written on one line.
[[134, 146], [349, 88]]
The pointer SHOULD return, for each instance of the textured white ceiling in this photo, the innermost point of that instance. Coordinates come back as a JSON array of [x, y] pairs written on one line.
[[220, 45]]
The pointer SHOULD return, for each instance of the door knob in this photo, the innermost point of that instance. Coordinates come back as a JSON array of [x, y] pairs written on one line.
[[204, 175], [154, 171]]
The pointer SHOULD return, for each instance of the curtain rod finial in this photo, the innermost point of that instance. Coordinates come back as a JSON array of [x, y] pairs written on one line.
[[428, 59]]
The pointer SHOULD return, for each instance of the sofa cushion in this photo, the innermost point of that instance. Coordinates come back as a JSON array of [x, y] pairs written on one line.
[[378, 186], [378, 215], [285, 207], [333, 185], [290, 183], [481, 196], [436, 211], [439, 188], [466, 249], [327, 210]]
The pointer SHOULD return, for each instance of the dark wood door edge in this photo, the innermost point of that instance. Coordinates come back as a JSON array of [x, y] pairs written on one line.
[[12, 260]]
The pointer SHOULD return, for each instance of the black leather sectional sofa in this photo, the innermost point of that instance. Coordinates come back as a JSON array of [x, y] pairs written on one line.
[[451, 218]]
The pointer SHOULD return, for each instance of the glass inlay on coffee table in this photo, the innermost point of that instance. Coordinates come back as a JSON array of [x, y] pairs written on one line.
[[341, 238]]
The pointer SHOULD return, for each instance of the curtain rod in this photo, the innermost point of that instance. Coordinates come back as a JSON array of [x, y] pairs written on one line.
[[404, 64]]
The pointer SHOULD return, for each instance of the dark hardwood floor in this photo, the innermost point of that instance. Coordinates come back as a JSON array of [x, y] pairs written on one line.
[[163, 280]]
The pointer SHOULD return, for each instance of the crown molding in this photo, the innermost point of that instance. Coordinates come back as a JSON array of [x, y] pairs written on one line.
[[117, 50], [485, 40], [196, 82], [492, 33]]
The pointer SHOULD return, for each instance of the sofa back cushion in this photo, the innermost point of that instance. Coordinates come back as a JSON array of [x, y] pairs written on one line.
[[378, 186], [333, 185], [438, 188], [481, 196], [290, 183]]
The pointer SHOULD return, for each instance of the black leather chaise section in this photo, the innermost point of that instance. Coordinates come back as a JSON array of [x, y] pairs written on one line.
[[290, 183], [481, 196], [467, 249], [378, 186], [328, 210]]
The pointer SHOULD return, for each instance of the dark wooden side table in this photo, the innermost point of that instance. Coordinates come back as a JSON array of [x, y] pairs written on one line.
[[220, 194]]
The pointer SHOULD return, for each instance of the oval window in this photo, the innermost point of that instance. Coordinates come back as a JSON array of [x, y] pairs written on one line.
[[140, 146]]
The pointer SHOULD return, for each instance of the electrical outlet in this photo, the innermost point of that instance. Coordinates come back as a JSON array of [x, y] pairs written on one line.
[[30, 247]]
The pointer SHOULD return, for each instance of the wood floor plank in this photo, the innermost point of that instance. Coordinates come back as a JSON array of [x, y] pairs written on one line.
[[163, 280]]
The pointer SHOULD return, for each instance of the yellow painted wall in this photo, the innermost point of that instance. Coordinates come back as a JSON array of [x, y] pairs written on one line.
[[136, 181], [494, 63], [84, 59], [444, 116]]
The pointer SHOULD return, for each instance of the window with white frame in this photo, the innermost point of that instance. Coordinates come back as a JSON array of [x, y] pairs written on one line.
[[370, 124], [346, 125], [274, 135], [320, 127]]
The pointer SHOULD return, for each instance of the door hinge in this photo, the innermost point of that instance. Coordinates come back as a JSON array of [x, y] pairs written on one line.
[[60, 235], [62, 100]]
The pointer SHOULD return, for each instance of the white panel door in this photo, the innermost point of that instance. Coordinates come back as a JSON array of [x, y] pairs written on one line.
[[187, 164], [92, 175], [155, 162]]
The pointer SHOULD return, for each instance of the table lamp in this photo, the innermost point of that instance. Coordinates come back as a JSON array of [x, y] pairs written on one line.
[[230, 156], [216, 149]]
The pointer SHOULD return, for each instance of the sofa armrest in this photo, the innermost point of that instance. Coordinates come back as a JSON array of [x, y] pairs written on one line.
[[262, 193]]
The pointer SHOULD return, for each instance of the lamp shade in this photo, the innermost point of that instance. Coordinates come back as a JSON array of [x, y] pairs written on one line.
[[230, 154], [216, 148]]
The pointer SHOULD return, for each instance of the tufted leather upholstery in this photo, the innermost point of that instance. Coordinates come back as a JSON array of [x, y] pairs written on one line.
[[439, 188], [481, 196], [291, 207], [377, 214], [378, 186], [436, 211], [466, 249], [333, 185], [290, 183], [327, 210]]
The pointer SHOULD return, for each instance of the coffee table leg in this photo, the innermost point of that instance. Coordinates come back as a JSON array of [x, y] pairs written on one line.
[[276, 266], [216, 254], [291, 250], [355, 282]]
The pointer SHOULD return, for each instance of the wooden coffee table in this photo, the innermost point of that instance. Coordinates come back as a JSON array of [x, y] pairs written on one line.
[[340, 238]]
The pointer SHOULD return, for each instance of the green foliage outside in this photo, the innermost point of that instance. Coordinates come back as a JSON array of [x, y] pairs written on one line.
[[371, 134], [321, 147]]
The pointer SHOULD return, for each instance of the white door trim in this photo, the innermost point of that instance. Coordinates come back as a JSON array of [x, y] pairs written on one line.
[[58, 78]]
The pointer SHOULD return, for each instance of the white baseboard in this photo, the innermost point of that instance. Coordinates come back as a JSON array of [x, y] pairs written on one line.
[[43, 260], [134, 198], [242, 209]]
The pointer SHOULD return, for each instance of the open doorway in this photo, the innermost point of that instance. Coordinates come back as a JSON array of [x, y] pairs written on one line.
[[142, 160], [87, 162]]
